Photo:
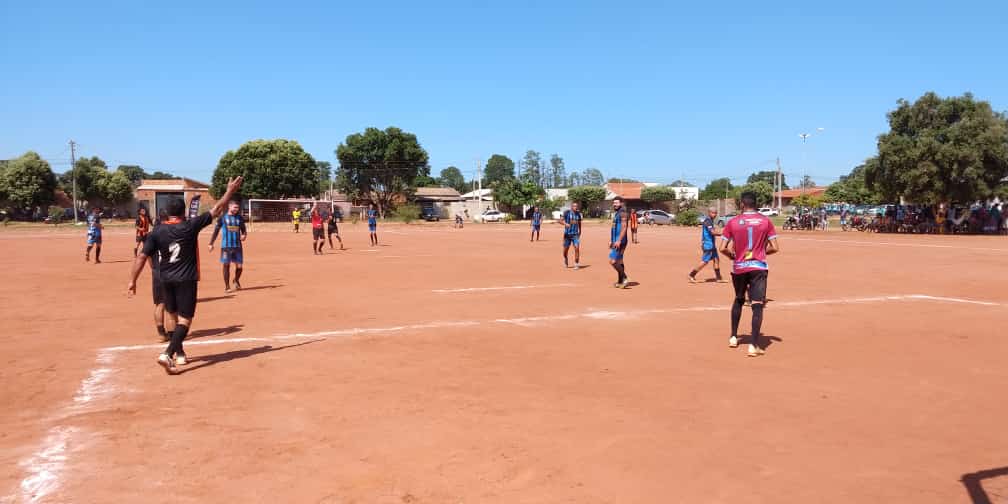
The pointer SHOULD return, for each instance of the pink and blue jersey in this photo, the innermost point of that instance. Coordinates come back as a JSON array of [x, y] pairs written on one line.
[[749, 233]]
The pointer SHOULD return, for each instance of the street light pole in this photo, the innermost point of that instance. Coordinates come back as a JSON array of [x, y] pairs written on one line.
[[804, 137]]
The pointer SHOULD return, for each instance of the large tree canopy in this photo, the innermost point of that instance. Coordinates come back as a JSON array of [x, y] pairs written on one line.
[[586, 195], [763, 190], [940, 149], [28, 181], [717, 189], [660, 193], [498, 168], [532, 168], [592, 176], [272, 169], [380, 164], [768, 176], [452, 177], [852, 189], [558, 171], [515, 193], [89, 173]]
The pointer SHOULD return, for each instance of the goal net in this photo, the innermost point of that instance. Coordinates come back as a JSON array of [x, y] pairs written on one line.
[[262, 211]]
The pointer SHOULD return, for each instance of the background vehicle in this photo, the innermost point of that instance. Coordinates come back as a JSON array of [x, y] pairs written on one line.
[[430, 214], [492, 216], [658, 217], [723, 219], [769, 212]]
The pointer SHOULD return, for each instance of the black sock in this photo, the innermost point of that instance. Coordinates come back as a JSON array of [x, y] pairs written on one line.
[[227, 276], [97, 254], [757, 322], [622, 272], [161, 331], [175, 347], [717, 273], [693, 273], [238, 272], [736, 315]]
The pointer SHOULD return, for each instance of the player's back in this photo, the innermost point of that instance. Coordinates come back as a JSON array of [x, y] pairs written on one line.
[[176, 244], [750, 232]]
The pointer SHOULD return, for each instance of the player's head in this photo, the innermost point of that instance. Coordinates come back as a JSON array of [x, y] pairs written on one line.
[[142, 211], [575, 206], [95, 210], [617, 203], [233, 207], [162, 215], [712, 212], [748, 199], [176, 207], [372, 206]]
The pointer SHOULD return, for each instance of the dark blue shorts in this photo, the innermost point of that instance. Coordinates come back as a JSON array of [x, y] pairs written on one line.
[[94, 239], [231, 256], [572, 240], [616, 254], [535, 227], [372, 227], [709, 255]]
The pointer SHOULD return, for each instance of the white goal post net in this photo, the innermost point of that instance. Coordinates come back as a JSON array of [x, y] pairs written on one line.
[[268, 210]]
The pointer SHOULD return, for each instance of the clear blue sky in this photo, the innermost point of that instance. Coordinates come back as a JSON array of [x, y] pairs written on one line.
[[643, 90]]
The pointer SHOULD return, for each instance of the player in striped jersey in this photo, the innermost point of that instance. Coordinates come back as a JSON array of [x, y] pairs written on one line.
[[231, 227], [618, 242]]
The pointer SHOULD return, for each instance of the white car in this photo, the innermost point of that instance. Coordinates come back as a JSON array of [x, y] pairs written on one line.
[[769, 212], [492, 216]]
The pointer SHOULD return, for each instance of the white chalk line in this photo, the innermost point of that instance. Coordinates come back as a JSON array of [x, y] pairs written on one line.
[[502, 287], [45, 465], [896, 244]]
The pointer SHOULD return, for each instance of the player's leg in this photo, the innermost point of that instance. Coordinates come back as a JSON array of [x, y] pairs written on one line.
[[340, 240], [329, 236], [186, 302], [717, 268], [741, 284], [97, 254], [239, 263], [704, 259], [621, 264], [566, 247], [757, 293], [87, 252], [167, 358], [159, 311], [577, 253]]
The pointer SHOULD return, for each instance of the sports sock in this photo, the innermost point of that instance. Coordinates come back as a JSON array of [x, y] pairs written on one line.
[[238, 272], [175, 347], [621, 269], [717, 273], [736, 315], [757, 321], [161, 331], [227, 276], [693, 273], [97, 254]]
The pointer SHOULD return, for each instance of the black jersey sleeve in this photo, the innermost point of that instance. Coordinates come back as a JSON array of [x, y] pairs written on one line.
[[151, 244], [204, 220]]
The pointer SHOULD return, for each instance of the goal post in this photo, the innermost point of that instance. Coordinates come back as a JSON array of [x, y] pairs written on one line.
[[279, 210]]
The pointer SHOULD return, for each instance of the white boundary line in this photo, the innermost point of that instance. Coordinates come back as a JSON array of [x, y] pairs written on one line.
[[896, 244], [499, 288], [44, 467]]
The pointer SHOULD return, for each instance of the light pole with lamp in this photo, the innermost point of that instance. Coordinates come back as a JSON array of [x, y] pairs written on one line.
[[804, 137]]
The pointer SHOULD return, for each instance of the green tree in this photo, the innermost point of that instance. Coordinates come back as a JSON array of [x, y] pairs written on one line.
[[452, 177], [272, 169], [548, 205], [717, 189], [764, 192], [89, 172], [806, 182], [615, 180], [558, 171], [115, 188], [941, 149], [132, 172], [659, 193], [380, 164], [324, 176], [592, 177], [160, 175], [498, 168], [851, 188], [424, 180], [586, 195], [516, 193], [807, 201], [768, 176], [28, 181], [681, 183], [532, 168]]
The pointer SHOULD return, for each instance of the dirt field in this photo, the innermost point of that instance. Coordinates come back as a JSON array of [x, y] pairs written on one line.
[[465, 366]]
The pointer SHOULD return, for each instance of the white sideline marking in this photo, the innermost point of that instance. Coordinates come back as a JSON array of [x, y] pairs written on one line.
[[43, 468], [504, 287], [897, 244]]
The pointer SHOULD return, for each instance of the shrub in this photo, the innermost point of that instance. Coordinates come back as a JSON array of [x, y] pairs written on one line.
[[55, 214], [407, 212], [688, 217]]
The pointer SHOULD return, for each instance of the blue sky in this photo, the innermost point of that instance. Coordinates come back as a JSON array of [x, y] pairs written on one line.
[[637, 89]]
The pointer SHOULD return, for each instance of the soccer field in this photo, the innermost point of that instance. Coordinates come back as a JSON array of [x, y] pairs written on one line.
[[464, 366]]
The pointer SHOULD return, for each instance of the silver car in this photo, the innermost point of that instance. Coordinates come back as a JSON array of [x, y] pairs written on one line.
[[657, 217]]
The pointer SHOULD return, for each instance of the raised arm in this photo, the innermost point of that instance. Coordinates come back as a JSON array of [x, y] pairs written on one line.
[[232, 188]]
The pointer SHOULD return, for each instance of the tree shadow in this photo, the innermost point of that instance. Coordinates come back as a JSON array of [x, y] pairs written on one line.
[[584, 266], [974, 484], [220, 331], [210, 360]]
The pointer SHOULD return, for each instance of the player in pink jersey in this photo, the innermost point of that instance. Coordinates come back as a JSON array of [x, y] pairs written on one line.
[[748, 239]]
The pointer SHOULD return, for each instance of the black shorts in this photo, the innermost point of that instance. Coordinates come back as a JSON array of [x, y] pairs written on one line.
[[180, 298], [752, 281], [334, 229], [316, 233], [157, 289], [141, 238]]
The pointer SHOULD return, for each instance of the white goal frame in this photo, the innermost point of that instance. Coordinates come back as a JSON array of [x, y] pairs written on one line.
[[332, 205]]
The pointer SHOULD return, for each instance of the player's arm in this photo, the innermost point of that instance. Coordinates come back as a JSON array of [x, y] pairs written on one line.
[[232, 187], [241, 228], [726, 243], [624, 230], [150, 246], [216, 231]]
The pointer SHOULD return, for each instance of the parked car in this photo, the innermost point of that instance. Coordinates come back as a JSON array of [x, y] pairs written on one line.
[[658, 217], [430, 214], [492, 216], [769, 212], [641, 216], [723, 219]]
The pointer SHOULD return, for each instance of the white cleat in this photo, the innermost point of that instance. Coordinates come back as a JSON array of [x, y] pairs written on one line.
[[166, 362], [181, 360], [755, 351], [733, 342]]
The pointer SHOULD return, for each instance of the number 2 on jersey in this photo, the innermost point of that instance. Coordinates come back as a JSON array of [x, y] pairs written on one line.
[[175, 249]]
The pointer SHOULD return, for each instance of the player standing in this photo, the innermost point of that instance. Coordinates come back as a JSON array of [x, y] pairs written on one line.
[[618, 243], [708, 252], [632, 217], [749, 239], [234, 233], [296, 217], [175, 243], [94, 235], [318, 233], [536, 223], [143, 225], [156, 290], [572, 234], [333, 229], [372, 223]]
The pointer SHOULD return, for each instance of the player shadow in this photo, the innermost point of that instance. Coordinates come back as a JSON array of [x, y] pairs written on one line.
[[213, 298], [259, 287], [220, 331], [209, 360], [765, 340], [974, 484], [115, 262], [631, 284]]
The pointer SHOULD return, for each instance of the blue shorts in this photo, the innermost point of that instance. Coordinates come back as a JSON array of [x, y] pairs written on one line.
[[94, 239], [709, 255], [572, 240], [535, 227], [372, 226], [616, 254], [231, 256]]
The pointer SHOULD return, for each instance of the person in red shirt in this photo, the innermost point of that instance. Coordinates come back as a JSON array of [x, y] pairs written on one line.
[[748, 240], [318, 233]]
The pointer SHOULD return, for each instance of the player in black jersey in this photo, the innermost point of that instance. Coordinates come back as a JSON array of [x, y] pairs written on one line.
[[175, 243]]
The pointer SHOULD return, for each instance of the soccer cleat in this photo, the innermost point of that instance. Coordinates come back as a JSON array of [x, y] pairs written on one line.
[[733, 342], [237, 286], [577, 266], [181, 360], [755, 351], [625, 284], [692, 279], [617, 285], [166, 362]]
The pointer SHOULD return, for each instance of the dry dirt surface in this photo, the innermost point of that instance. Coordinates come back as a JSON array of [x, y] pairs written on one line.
[[469, 366]]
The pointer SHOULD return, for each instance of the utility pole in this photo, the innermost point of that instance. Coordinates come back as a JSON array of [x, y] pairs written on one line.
[[73, 175], [780, 186]]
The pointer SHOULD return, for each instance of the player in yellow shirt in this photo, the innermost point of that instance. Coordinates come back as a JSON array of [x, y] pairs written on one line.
[[296, 216]]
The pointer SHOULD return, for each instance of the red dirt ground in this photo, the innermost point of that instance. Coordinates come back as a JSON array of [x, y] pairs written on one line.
[[583, 394]]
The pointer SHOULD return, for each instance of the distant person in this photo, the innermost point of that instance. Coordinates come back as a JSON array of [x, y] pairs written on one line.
[[823, 219], [372, 223], [234, 233], [572, 234], [94, 235], [332, 228], [296, 217], [618, 243], [708, 251], [143, 225], [632, 217], [749, 239], [318, 231], [536, 223]]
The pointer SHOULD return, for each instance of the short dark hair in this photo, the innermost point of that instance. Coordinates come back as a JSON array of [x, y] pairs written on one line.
[[618, 198], [748, 199], [176, 207]]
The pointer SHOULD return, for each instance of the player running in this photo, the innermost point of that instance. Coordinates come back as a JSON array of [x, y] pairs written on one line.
[[234, 233], [572, 234], [143, 225], [749, 239], [318, 232], [708, 252], [94, 235], [372, 223], [175, 243], [536, 223], [332, 228], [618, 242], [296, 217]]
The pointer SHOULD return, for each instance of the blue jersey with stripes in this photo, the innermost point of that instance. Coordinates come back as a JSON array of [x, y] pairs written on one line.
[[619, 220], [707, 234], [572, 220], [372, 217], [536, 218], [94, 225], [231, 228]]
